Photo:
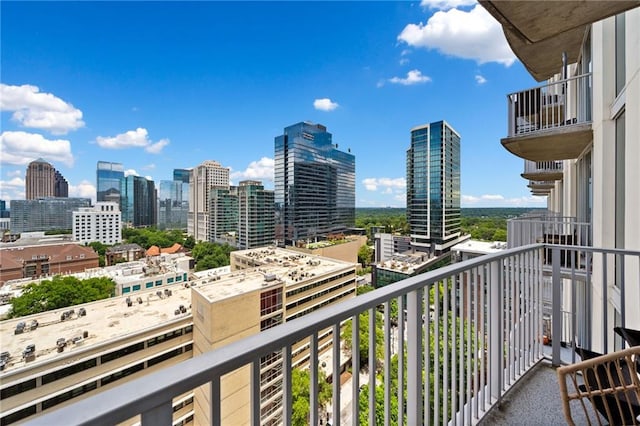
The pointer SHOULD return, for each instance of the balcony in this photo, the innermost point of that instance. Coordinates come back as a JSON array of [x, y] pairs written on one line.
[[498, 310], [539, 33], [550, 122], [542, 170]]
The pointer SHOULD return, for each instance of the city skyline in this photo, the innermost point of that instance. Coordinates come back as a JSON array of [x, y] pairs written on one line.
[[191, 83]]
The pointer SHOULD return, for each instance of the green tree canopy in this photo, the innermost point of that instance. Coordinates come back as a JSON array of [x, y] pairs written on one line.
[[300, 383], [365, 253], [60, 292]]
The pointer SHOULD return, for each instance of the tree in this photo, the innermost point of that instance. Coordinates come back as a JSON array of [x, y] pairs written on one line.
[[364, 336], [211, 255], [100, 249], [300, 384], [364, 255], [60, 292]]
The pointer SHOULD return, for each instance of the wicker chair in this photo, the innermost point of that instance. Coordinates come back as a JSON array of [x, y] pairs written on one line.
[[610, 384]]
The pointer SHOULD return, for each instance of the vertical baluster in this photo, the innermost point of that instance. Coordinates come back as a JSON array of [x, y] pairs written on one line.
[[336, 375], [414, 352], [287, 400], [313, 382]]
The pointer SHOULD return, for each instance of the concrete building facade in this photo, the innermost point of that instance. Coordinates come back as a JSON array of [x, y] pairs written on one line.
[[202, 178], [101, 223]]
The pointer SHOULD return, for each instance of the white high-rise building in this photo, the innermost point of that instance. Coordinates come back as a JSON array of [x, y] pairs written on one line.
[[102, 223], [208, 175], [579, 135]]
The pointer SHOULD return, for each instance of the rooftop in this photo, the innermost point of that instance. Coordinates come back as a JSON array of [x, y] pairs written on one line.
[[407, 263], [112, 318], [480, 247], [104, 320]]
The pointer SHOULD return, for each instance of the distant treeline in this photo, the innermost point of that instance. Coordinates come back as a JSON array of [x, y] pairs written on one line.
[[483, 223]]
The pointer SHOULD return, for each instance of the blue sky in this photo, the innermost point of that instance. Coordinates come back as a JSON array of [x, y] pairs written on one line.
[[164, 85]]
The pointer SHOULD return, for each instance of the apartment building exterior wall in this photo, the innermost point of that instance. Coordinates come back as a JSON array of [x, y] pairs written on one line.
[[34, 261], [100, 223], [207, 175]]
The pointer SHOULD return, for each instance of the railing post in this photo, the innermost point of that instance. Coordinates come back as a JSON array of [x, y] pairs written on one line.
[[414, 358], [160, 415], [556, 296], [495, 311]]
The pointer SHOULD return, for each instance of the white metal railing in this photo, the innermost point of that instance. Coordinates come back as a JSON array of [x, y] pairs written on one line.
[[553, 166], [553, 105], [547, 229], [469, 331]]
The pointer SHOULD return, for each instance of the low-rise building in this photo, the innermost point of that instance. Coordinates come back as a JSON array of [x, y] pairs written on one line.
[[53, 358], [43, 260], [124, 253], [45, 214]]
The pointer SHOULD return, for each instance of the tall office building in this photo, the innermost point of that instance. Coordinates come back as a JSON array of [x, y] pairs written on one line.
[[138, 201], [181, 175], [433, 187], [108, 181], [209, 174], [4, 213], [256, 221], [173, 201], [40, 180], [44, 214], [223, 215], [61, 186], [314, 184]]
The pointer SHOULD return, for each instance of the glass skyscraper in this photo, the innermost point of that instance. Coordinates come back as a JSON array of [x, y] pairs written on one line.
[[173, 201], [109, 178], [314, 185], [433, 187], [138, 201]]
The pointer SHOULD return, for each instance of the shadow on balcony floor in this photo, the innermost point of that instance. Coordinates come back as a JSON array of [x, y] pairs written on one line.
[[535, 400]]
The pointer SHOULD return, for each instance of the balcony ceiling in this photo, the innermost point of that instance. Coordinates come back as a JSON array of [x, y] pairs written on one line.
[[542, 175], [562, 143], [539, 31], [537, 186]]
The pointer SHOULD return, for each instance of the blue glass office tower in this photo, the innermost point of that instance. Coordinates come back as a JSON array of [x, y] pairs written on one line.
[[109, 178], [138, 201], [314, 185], [173, 201], [433, 187]]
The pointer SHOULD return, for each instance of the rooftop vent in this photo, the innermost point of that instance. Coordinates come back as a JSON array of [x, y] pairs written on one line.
[[82, 312], [19, 328]]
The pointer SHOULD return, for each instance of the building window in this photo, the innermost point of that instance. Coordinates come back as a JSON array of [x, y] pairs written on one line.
[[270, 301], [136, 287]]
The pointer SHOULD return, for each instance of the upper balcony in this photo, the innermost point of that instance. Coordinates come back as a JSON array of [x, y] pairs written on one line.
[[540, 32], [469, 333], [542, 170], [550, 122]]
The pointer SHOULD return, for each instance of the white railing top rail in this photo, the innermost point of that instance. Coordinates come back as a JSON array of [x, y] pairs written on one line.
[[549, 84]]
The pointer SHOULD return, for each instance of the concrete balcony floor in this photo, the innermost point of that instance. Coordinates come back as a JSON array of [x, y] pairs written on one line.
[[535, 399]]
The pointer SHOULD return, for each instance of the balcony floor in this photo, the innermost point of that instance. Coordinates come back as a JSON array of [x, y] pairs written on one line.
[[535, 400]]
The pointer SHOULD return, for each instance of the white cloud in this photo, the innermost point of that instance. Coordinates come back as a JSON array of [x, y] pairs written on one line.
[[156, 148], [497, 200], [372, 184], [13, 189], [39, 110], [480, 79], [84, 189], [149, 167], [148, 177], [446, 4], [21, 148], [14, 173], [325, 104], [131, 172], [138, 138], [404, 61], [413, 77], [257, 170], [473, 34]]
